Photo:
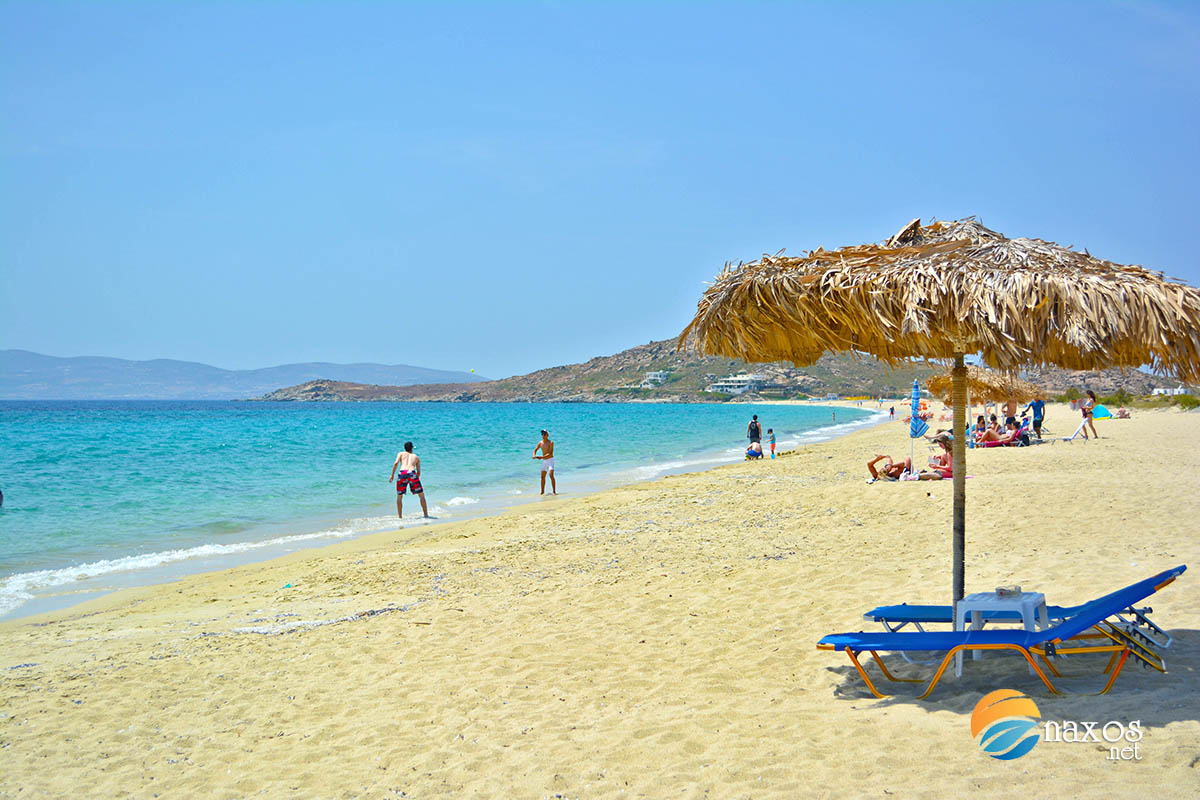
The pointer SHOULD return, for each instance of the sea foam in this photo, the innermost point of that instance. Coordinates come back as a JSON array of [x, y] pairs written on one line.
[[18, 589]]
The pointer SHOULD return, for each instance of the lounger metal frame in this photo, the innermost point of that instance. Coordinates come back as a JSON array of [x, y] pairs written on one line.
[[1120, 642], [1119, 653]]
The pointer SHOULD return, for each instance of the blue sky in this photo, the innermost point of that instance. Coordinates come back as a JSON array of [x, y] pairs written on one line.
[[508, 187]]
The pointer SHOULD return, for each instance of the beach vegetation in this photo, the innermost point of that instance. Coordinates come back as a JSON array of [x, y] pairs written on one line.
[[1186, 402], [1118, 398]]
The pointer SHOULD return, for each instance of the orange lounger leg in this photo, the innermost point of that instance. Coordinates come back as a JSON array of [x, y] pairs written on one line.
[[888, 674], [1116, 671], [862, 672]]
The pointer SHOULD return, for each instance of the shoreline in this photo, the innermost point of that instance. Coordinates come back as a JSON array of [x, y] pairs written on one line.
[[649, 640], [78, 583]]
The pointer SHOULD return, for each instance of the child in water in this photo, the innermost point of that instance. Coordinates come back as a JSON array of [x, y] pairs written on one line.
[[771, 440]]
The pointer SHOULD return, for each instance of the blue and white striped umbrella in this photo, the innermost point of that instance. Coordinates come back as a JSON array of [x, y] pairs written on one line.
[[916, 425]]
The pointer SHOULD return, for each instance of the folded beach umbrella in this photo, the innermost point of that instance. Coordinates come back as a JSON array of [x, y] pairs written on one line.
[[942, 291], [916, 425]]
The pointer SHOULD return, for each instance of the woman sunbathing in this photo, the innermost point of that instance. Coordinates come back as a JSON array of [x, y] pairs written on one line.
[[941, 465], [992, 437], [889, 470], [896, 470]]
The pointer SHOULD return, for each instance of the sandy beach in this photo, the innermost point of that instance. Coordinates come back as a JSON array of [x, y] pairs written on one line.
[[656, 640]]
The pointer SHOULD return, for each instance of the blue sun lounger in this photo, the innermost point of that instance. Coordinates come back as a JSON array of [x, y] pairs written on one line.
[[894, 618], [1075, 628]]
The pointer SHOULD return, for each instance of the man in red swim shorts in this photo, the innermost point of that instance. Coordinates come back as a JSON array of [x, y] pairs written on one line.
[[409, 478]]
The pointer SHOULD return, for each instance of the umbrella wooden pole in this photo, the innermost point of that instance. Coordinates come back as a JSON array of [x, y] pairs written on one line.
[[959, 447]]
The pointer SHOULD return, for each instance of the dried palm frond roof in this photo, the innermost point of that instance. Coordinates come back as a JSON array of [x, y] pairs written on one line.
[[948, 288], [986, 385]]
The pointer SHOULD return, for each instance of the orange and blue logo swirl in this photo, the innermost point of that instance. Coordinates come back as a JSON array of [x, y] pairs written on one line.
[[1005, 724]]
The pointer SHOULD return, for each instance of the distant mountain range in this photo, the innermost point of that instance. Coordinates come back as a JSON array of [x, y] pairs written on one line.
[[623, 377], [32, 376]]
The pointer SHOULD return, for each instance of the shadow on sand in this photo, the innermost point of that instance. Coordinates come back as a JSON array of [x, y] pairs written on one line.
[[1155, 698]]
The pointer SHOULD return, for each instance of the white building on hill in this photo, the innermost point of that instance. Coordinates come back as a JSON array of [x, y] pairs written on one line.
[[738, 384], [653, 379]]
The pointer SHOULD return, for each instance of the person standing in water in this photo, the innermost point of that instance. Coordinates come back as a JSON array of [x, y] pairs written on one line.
[[409, 478], [547, 459]]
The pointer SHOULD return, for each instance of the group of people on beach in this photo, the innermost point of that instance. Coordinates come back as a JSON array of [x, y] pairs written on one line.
[[1016, 432], [986, 432], [408, 479], [754, 434]]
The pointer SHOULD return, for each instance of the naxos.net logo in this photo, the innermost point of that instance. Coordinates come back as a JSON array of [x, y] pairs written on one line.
[[1005, 724]]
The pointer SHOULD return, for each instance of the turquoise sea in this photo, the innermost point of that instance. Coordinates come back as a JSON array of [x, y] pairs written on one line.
[[100, 495]]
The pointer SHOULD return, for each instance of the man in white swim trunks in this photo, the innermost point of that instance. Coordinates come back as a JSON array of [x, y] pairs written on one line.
[[547, 459]]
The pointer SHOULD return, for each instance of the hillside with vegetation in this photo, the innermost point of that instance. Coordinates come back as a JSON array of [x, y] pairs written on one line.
[[622, 378]]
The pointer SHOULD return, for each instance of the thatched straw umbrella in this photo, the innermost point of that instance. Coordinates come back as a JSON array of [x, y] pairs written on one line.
[[986, 385], [944, 290]]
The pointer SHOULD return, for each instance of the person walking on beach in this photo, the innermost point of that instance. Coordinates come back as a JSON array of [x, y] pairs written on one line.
[[1038, 406], [754, 430], [771, 440], [409, 478], [547, 459], [1088, 406]]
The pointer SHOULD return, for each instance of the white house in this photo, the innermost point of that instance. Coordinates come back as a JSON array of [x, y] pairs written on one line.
[[653, 379], [1170, 392], [738, 384]]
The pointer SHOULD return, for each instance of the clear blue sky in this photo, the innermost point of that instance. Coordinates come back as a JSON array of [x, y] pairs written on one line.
[[508, 187]]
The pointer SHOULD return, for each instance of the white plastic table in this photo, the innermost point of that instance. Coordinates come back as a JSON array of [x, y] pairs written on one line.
[[1030, 605]]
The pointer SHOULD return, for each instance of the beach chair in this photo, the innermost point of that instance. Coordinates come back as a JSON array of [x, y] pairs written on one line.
[[1011, 440], [1078, 432], [1134, 621], [1070, 636]]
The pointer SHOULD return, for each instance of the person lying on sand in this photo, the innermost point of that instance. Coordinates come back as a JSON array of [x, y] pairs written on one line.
[[940, 466], [889, 470]]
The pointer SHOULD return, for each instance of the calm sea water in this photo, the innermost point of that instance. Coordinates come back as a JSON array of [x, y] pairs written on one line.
[[99, 495]]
